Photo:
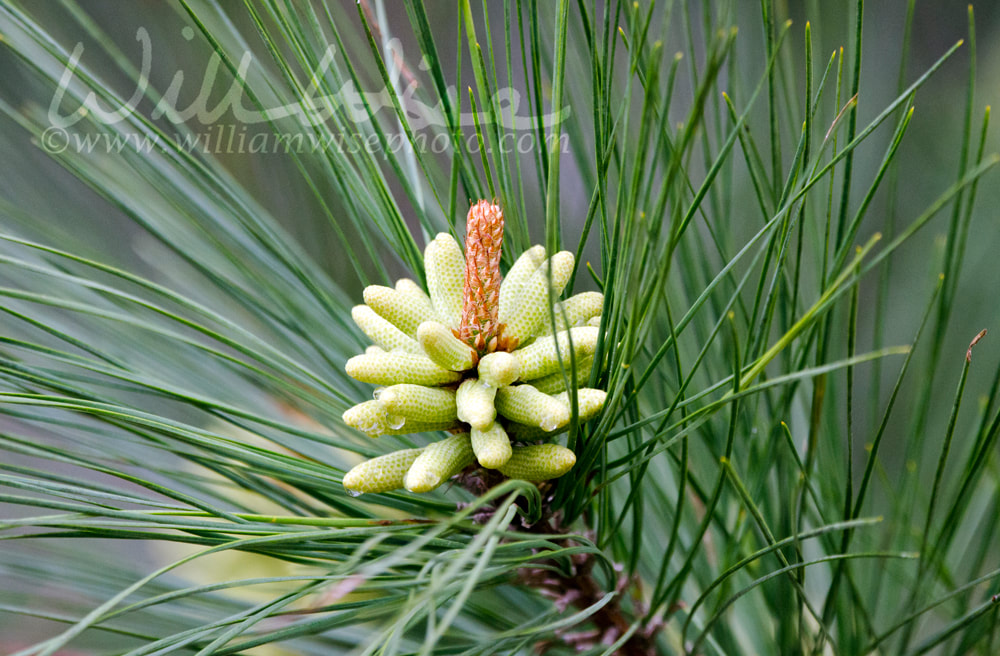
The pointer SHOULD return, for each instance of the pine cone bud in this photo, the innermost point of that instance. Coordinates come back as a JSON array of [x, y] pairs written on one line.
[[484, 237]]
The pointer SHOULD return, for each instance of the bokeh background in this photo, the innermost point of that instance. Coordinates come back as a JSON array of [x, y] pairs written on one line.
[[41, 200]]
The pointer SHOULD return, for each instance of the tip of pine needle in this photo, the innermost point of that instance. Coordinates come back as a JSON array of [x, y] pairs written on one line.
[[975, 340]]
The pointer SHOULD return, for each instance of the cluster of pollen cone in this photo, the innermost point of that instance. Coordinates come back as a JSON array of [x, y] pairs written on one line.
[[475, 355]]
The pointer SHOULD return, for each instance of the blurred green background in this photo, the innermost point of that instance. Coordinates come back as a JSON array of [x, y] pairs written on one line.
[[43, 201], [54, 201]]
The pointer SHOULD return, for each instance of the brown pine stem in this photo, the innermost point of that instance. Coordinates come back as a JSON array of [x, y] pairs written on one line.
[[580, 589]]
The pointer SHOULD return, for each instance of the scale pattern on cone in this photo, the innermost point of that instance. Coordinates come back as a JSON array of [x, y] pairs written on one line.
[[481, 307]]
